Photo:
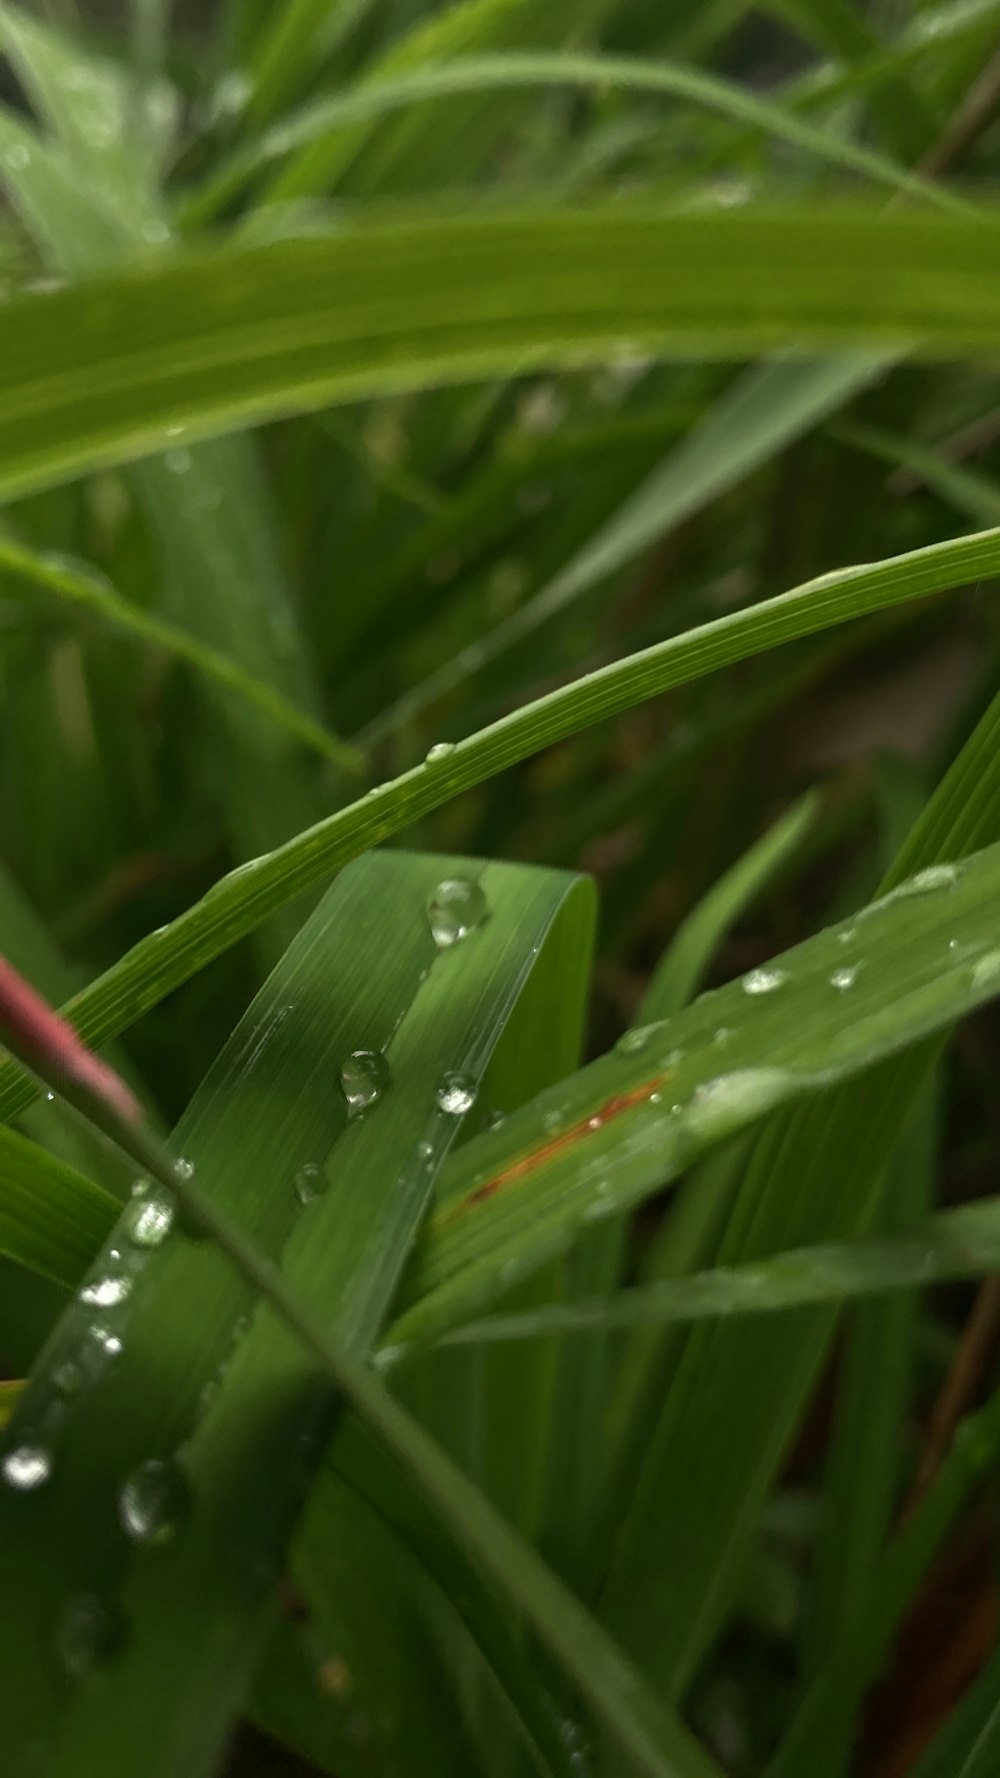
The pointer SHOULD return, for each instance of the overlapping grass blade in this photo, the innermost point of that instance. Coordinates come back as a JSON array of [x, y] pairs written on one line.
[[240, 902], [372, 100], [52, 1218], [240, 335], [635, 1119], [85, 588]]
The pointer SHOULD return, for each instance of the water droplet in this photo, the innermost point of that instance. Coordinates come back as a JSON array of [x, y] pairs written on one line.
[[105, 1342], [731, 1100], [153, 1501], [26, 1467], [936, 876], [986, 971], [595, 1123], [149, 1219], [849, 933], [363, 1079], [17, 157], [631, 1042], [722, 1035], [184, 1169], [105, 1292], [87, 1634], [844, 978], [456, 907], [495, 1119], [763, 981], [155, 232], [310, 1182], [178, 462], [457, 1094], [552, 1120], [68, 1377], [51, 1098], [439, 751]]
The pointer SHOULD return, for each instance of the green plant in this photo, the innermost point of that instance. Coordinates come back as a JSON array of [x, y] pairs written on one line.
[[474, 1380]]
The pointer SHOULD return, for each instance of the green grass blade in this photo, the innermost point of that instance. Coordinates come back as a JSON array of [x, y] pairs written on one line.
[[635, 1119], [526, 71], [963, 1243], [270, 1108], [698, 937], [52, 1219], [240, 902], [87, 590], [222, 339]]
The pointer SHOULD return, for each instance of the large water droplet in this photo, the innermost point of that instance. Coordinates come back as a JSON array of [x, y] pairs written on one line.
[[184, 1169], [456, 907], [26, 1467], [935, 876], [363, 1079], [149, 1219], [731, 1100], [764, 980], [87, 1634], [844, 978], [456, 1094], [439, 751], [310, 1182], [106, 1292], [153, 1501]]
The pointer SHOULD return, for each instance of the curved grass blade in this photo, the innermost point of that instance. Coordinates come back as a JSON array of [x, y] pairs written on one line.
[[635, 1119], [84, 588], [240, 902], [963, 1243], [698, 937], [241, 335], [373, 100], [52, 1218]]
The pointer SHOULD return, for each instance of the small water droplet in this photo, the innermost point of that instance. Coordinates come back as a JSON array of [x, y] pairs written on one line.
[[184, 1169], [439, 751], [495, 1119], [457, 906], [722, 1035], [88, 1633], [153, 1501], [763, 981], [656, 1098], [17, 157], [149, 1219], [51, 1098], [310, 1182], [844, 978], [456, 1094], [363, 1079], [595, 1123], [105, 1342], [849, 933], [155, 232], [68, 1377], [178, 462], [638, 1038], [26, 1467], [105, 1292]]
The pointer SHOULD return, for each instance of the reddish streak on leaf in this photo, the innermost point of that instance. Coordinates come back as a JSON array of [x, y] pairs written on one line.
[[539, 1157], [47, 1043]]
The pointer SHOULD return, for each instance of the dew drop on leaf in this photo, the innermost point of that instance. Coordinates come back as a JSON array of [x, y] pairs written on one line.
[[149, 1219], [26, 1467], [630, 1043], [106, 1292], [363, 1079], [310, 1182], [439, 751], [456, 907], [153, 1501], [456, 1094], [763, 981], [184, 1169], [844, 978]]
